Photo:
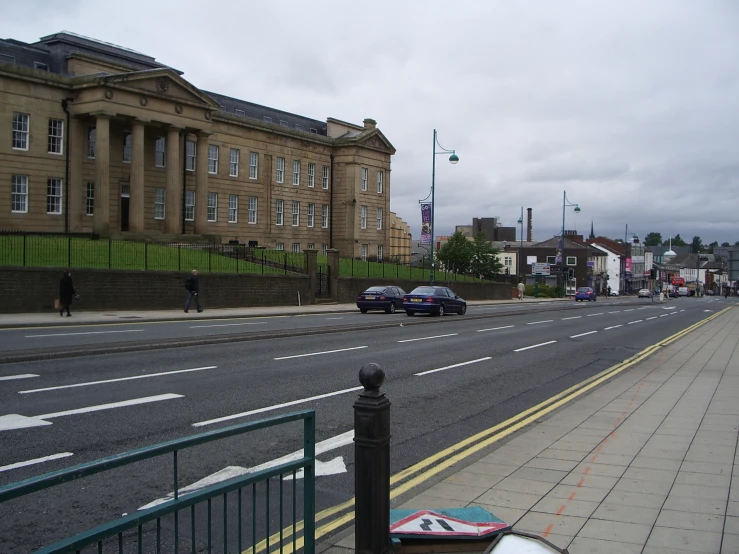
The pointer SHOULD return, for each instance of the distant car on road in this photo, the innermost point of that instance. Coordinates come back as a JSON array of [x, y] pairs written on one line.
[[585, 293], [683, 291], [433, 300], [386, 298], [645, 293], [614, 293]]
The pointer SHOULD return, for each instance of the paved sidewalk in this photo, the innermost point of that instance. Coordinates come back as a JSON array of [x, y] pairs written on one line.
[[647, 463], [122, 316]]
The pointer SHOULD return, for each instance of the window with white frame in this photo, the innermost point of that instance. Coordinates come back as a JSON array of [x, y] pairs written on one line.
[[280, 170], [253, 210], [365, 171], [324, 249], [160, 152], [280, 246], [233, 208], [571, 260], [53, 196], [279, 211], [325, 177], [379, 219], [311, 246], [363, 218], [380, 182], [212, 206], [19, 194], [379, 252], [56, 136], [296, 213], [127, 146], [324, 216], [508, 261], [212, 159], [253, 165], [364, 252], [296, 172], [189, 205], [21, 123], [296, 247], [159, 195], [311, 175], [551, 259], [191, 148], [233, 163], [92, 135], [90, 198], [311, 214]]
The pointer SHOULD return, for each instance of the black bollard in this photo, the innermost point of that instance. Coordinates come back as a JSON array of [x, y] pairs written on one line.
[[372, 464]]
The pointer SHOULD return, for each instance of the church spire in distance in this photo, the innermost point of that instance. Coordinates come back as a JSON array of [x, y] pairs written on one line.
[[592, 233]]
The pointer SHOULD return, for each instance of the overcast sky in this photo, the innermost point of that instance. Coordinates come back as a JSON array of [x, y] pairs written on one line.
[[631, 107]]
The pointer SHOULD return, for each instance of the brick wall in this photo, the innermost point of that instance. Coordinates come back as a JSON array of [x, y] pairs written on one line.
[[34, 290], [350, 287]]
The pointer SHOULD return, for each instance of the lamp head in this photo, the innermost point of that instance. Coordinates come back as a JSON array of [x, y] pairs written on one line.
[[577, 209], [453, 159], [520, 221]]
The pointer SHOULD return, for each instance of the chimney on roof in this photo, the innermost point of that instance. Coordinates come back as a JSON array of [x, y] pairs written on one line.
[[529, 228], [370, 124]]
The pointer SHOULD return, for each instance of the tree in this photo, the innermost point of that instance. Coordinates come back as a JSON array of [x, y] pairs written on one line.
[[696, 245], [676, 241], [456, 254], [653, 239], [712, 246], [484, 262], [725, 244]]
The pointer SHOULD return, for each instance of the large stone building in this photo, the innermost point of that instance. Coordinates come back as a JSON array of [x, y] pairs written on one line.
[[96, 138]]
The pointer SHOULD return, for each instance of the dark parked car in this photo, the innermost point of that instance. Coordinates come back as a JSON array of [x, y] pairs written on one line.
[[386, 298], [433, 300], [585, 293]]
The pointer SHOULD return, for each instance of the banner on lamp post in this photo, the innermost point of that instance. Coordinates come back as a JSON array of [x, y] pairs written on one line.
[[425, 224]]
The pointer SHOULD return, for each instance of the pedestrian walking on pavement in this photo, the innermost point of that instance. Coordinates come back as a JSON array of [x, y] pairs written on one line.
[[521, 290], [193, 290], [66, 293]]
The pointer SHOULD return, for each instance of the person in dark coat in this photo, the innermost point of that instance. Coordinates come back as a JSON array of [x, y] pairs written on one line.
[[193, 289], [66, 293]]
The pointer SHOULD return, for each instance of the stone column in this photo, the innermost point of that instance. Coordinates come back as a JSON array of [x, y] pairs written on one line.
[[173, 210], [310, 267], [77, 151], [201, 183], [136, 218], [333, 273], [101, 217]]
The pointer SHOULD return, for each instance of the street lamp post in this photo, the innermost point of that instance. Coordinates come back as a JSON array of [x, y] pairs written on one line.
[[453, 159], [520, 248], [565, 204]]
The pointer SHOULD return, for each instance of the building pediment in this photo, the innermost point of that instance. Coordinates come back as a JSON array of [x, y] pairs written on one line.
[[373, 139], [162, 83]]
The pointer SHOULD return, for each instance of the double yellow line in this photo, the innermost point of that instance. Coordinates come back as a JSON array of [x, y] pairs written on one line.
[[464, 449]]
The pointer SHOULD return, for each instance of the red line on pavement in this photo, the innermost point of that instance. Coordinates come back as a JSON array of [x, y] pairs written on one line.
[[548, 530], [561, 509]]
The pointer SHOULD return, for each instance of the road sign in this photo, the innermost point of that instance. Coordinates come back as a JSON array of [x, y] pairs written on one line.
[[540, 269], [473, 522]]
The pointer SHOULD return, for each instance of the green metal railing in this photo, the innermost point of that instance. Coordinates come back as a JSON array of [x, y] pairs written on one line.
[[111, 537]]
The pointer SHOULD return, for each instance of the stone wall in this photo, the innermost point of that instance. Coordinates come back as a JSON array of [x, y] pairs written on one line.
[[350, 287], [34, 290]]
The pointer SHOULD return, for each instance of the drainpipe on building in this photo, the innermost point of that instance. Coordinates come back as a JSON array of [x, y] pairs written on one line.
[[331, 205], [184, 177], [65, 107]]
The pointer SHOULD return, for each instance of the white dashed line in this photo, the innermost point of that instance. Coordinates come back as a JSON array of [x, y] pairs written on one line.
[[86, 333], [575, 317], [592, 315], [632, 322], [429, 338], [21, 376], [653, 317], [35, 461], [495, 328], [319, 353], [534, 346], [452, 366], [616, 312], [537, 322], [583, 334], [613, 327]]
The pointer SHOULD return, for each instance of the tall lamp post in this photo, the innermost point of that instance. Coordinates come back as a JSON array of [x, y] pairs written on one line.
[[565, 203], [520, 248], [453, 159]]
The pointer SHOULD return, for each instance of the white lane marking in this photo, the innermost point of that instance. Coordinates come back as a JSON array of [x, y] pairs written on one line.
[[428, 338], [631, 310], [85, 333], [537, 322], [575, 317], [535, 346], [614, 327], [644, 308], [122, 404], [319, 353], [117, 380], [495, 328], [228, 324], [632, 322], [452, 366], [682, 310], [10, 422], [664, 315], [653, 317], [275, 407], [35, 461], [591, 315], [20, 376], [334, 318], [583, 334], [234, 471], [616, 312]]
